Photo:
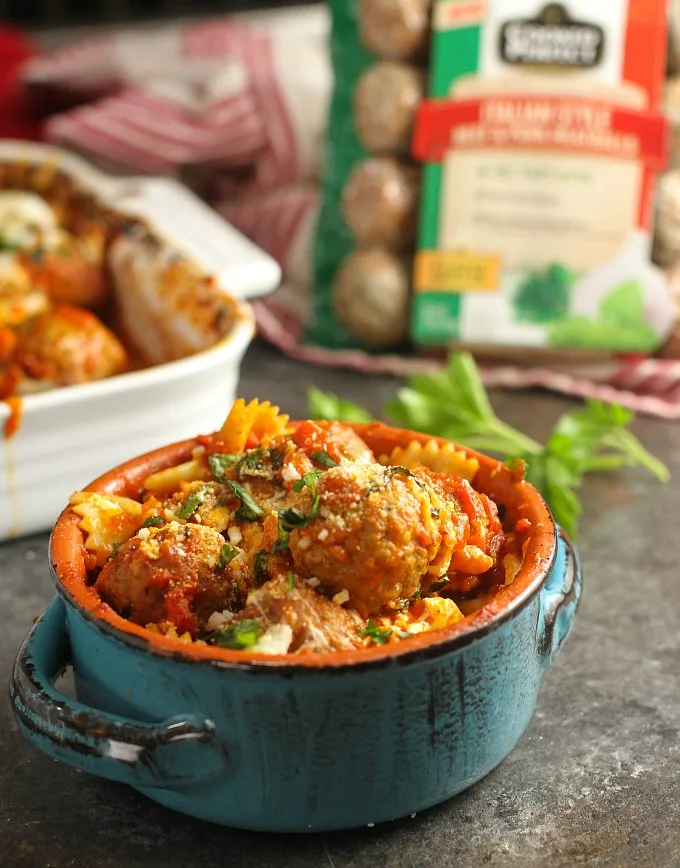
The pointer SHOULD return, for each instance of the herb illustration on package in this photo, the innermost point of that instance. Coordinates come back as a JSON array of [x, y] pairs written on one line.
[[542, 136]]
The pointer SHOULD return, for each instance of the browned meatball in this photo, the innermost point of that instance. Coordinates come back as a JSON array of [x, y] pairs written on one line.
[[69, 345], [371, 296], [171, 574], [317, 624], [380, 202], [67, 276], [395, 29], [386, 100], [335, 438], [378, 533]]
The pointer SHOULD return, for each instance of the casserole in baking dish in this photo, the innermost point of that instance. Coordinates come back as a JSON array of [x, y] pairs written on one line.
[[170, 281]]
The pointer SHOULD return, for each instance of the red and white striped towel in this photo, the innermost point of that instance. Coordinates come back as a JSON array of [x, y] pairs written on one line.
[[283, 223], [215, 94]]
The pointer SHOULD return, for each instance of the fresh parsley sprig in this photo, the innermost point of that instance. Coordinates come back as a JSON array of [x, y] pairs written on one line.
[[453, 404]]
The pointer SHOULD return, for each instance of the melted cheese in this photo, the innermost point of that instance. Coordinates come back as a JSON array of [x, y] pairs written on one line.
[[25, 217]]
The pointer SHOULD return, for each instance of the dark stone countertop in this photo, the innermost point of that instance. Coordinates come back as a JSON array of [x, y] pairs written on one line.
[[595, 780]]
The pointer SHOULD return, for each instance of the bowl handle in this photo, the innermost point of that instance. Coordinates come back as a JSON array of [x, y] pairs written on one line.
[[560, 599], [180, 751]]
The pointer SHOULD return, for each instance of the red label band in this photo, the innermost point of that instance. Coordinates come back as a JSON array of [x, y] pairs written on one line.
[[568, 124]]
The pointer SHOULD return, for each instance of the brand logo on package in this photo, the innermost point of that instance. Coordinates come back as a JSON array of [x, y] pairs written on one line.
[[553, 38]]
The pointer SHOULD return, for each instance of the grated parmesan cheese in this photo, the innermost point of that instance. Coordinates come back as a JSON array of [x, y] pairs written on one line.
[[341, 597], [276, 640], [235, 535], [219, 620], [323, 534], [313, 582], [304, 543], [290, 473]]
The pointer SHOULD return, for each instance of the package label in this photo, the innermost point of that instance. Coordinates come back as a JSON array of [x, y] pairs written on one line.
[[542, 138]]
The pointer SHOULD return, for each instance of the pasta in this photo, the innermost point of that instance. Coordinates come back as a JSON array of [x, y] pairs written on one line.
[[108, 519], [442, 459], [284, 539], [249, 425]]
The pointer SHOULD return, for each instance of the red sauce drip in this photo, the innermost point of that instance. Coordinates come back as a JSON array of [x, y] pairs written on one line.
[[16, 408]]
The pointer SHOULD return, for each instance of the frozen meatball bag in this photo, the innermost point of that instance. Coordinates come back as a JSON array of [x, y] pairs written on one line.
[[366, 231]]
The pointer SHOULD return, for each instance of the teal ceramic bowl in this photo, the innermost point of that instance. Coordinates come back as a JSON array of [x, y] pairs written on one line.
[[293, 744]]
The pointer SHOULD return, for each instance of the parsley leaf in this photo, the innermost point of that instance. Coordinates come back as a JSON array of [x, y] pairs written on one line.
[[307, 481], [239, 636], [322, 457], [7, 246], [221, 462], [261, 567], [291, 581], [192, 503], [325, 405], [255, 463], [250, 509], [453, 404], [227, 555], [154, 521], [290, 519], [282, 543], [372, 631]]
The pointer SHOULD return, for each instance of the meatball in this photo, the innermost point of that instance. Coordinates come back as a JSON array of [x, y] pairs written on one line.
[[67, 276], [380, 203], [371, 296], [379, 531], [395, 29], [171, 574], [336, 439], [386, 100], [69, 345], [317, 624]]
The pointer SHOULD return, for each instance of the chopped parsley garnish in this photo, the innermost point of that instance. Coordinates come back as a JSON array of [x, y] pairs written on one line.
[[250, 509], [398, 470], [220, 463], [293, 518], [192, 503], [324, 459], [7, 246], [114, 553], [227, 555], [154, 521], [307, 481], [245, 634], [372, 631], [261, 564], [290, 519], [255, 463], [439, 584], [418, 594], [281, 544], [291, 581]]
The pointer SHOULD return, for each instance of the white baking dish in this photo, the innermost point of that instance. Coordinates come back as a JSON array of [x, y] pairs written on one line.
[[69, 436]]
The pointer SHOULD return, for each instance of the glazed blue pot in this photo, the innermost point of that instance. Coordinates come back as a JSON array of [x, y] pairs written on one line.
[[293, 750], [285, 746]]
